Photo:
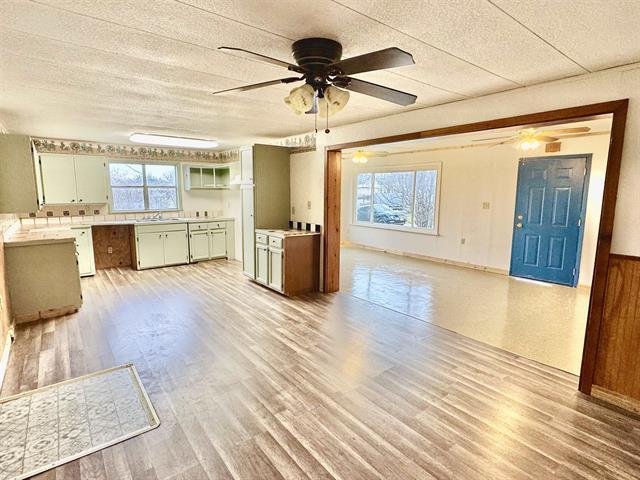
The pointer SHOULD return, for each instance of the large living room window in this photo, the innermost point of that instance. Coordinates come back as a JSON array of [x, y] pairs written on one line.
[[139, 187], [398, 199]]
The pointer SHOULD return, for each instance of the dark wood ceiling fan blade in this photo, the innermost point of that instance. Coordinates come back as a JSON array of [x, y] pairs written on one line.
[[253, 86], [378, 91], [380, 60], [262, 58]]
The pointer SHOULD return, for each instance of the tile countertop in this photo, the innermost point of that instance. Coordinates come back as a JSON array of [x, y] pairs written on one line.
[[285, 233], [44, 234]]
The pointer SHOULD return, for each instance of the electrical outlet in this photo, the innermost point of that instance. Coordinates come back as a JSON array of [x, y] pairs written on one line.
[[308, 204], [109, 250], [486, 205], [463, 241]]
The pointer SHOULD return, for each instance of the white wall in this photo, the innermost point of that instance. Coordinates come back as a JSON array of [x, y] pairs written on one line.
[[305, 166], [469, 178], [623, 82]]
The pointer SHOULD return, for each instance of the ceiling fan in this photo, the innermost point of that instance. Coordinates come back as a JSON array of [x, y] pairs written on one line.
[[327, 77], [530, 138], [362, 156]]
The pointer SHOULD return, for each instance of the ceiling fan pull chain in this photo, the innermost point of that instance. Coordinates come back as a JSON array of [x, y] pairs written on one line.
[[327, 129], [315, 117]]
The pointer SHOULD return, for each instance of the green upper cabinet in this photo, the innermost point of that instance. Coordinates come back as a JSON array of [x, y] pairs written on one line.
[[20, 187], [200, 177], [74, 179]]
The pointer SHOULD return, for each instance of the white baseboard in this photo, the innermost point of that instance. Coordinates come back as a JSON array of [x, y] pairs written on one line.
[[446, 261], [4, 361], [428, 258]]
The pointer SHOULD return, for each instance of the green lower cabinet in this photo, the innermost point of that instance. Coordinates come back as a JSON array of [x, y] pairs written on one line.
[[199, 245], [176, 248], [208, 240], [84, 251], [161, 245], [276, 256], [218, 243], [262, 264]]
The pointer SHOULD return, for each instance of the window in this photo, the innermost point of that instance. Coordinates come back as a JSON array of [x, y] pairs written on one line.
[[141, 186], [406, 199]]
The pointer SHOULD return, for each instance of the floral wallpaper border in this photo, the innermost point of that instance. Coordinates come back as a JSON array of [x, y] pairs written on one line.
[[134, 152], [300, 143]]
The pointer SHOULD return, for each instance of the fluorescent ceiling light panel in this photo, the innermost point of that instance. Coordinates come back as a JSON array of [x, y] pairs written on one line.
[[170, 141]]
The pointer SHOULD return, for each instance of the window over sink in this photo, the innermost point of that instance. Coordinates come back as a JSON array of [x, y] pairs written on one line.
[[400, 199], [140, 187]]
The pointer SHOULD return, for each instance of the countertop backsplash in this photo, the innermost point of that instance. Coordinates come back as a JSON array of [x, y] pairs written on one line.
[[99, 213]]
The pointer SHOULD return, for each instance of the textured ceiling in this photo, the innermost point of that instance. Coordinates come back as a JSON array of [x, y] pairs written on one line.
[[100, 70]]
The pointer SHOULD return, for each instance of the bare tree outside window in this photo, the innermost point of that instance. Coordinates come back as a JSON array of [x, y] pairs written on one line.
[[141, 187], [406, 198]]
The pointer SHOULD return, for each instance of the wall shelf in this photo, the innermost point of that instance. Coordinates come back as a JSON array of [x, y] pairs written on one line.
[[198, 177]]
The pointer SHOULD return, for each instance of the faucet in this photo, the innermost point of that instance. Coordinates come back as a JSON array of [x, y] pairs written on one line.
[[157, 215]]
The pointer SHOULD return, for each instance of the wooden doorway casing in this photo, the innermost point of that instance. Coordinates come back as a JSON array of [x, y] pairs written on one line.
[[618, 109]]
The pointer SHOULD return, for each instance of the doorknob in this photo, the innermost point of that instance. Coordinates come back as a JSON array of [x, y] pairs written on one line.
[[518, 225]]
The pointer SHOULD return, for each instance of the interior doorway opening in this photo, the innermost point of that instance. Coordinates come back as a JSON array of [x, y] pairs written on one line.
[[334, 224]]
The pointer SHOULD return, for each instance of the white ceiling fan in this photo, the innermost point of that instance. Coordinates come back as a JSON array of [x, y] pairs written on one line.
[[531, 138]]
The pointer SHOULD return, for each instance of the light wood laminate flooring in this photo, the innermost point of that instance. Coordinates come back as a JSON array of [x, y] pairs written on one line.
[[252, 385]]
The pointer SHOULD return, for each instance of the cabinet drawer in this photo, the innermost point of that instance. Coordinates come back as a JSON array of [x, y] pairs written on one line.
[[275, 242], [217, 225], [262, 238], [198, 226], [165, 227]]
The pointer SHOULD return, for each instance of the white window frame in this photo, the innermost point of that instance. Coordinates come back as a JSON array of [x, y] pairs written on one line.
[[144, 186], [437, 166]]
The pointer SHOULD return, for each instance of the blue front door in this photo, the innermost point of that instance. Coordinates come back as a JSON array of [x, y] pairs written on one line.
[[547, 232]]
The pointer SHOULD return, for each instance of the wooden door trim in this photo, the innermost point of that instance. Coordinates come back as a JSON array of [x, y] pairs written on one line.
[[618, 108]]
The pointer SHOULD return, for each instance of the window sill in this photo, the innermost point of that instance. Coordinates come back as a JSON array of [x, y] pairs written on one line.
[[395, 228]]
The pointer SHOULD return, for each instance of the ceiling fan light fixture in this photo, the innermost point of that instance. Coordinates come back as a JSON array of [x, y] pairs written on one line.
[[334, 100], [300, 99], [359, 157], [170, 141], [527, 144]]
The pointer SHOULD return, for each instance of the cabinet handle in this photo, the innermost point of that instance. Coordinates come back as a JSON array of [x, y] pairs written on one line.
[[73, 200], [160, 236], [80, 200]]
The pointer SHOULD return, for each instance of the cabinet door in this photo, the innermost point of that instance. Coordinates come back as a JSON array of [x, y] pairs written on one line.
[[199, 245], [218, 243], [176, 248], [275, 269], [150, 249], [84, 251], [262, 264], [91, 179], [58, 178], [248, 233]]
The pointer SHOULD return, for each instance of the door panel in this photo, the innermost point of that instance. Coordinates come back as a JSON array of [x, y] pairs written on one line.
[[248, 233], [548, 217], [91, 179], [58, 178], [150, 249], [84, 250], [262, 264], [275, 269], [176, 248], [199, 245], [218, 243]]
